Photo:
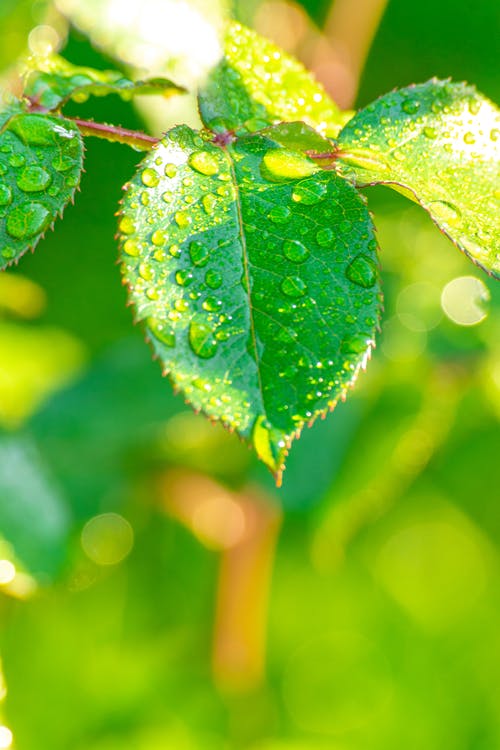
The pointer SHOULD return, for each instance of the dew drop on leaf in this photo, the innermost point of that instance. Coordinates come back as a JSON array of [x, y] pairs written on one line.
[[158, 238], [362, 271], [204, 163], [209, 202], [279, 214], [132, 248], [309, 193], [28, 219], [324, 236], [213, 279], [446, 211], [33, 179], [150, 177], [283, 164], [5, 195], [202, 339], [184, 277], [199, 253], [295, 251], [410, 106], [293, 286], [162, 332], [183, 219]]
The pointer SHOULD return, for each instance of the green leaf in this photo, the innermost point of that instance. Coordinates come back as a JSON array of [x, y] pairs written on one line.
[[33, 514], [259, 290], [257, 84], [53, 81], [439, 143], [41, 160]]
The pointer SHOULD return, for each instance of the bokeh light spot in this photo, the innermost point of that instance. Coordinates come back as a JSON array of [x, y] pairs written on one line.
[[463, 300], [107, 539]]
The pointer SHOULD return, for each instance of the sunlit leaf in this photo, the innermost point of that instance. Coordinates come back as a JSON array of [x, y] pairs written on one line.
[[439, 143], [257, 84], [259, 287], [41, 161], [53, 81]]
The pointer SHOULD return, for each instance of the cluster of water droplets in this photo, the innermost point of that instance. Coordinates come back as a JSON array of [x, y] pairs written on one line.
[[275, 81], [440, 144], [271, 283], [40, 165]]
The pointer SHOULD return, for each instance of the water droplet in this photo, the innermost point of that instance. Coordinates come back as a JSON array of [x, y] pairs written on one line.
[[430, 132], [355, 344], [410, 106], [495, 134], [324, 236], [199, 253], [469, 138], [309, 192], [184, 277], [5, 195], [293, 286], [204, 162], [144, 198], [132, 248], [146, 272], [213, 279], [283, 164], [17, 160], [150, 177], [269, 442], [170, 170], [202, 339], [446, 212], [162, 332], [183, 219], [33, 179], [212, 304], [209, 202], [279, 214], [474, 106], [62, 163], [295, 251], [158, 238], [160, 255], [174, 251], [181, 305], [27, 220], [362, 271]]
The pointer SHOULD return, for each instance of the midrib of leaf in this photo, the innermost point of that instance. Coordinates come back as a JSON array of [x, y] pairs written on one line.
[[246, 266]]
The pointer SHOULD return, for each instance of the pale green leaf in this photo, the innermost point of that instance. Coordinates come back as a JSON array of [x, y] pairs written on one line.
[[439, 143], [257, 84], [41, 159], [259, 289], [52, 81]]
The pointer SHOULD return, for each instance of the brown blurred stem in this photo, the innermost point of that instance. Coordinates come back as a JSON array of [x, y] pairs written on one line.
[[242, 598], [339, 59]]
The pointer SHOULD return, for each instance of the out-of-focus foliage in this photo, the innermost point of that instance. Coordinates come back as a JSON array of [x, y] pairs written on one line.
[[384, 616]]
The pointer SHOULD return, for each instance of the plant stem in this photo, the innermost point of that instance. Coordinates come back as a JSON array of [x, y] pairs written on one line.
[[349, 31], [116, 134]]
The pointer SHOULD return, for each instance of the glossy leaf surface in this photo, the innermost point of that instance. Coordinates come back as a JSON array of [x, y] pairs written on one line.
[[439, 142], [257, 84], [258, 283], [41, 161], [54, 81]]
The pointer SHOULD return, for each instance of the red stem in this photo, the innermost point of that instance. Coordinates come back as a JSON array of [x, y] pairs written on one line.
[[115, 133]]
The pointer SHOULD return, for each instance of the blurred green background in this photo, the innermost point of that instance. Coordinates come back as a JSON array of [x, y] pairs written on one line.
[[138, 544]]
